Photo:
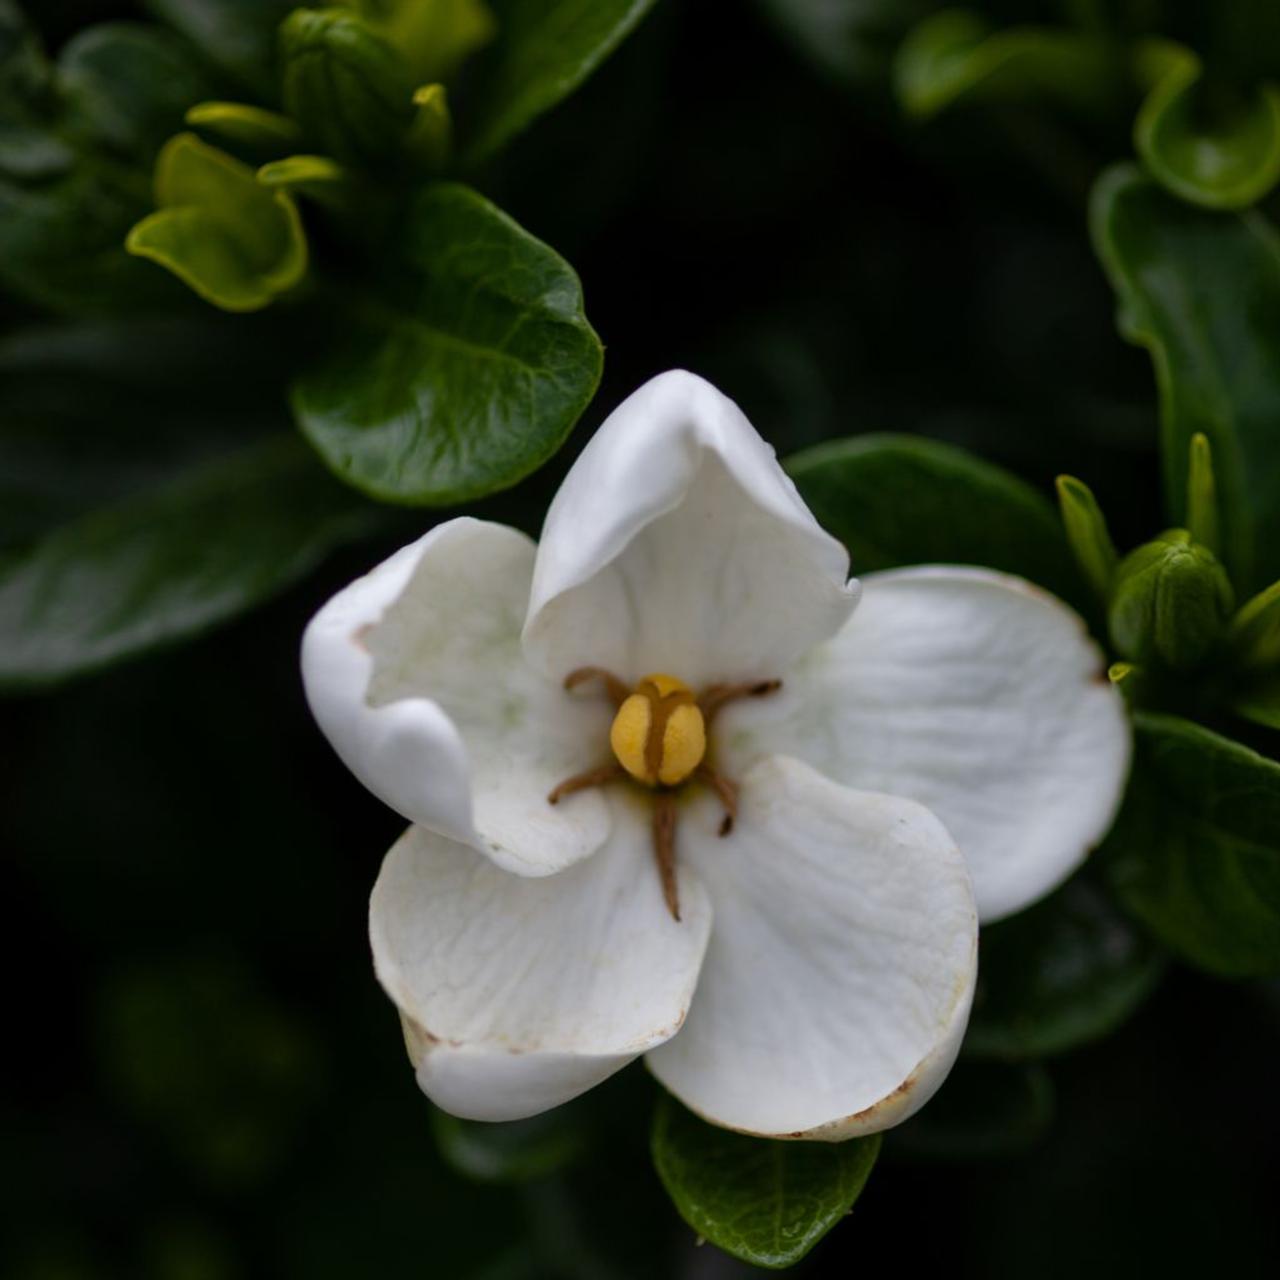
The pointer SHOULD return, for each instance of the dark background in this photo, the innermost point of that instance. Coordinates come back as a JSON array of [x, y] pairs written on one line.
[[202, 1079]]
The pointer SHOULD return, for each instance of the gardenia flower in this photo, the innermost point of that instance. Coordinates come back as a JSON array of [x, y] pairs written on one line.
[[672, 795]]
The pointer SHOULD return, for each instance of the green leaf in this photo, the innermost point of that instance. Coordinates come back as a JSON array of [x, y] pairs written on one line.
[[62, 242], [984, 1111], [1170, 603], [236, 36], [898, 500], [316, 177], [956, 55], [24, 70], [1259, 700], [351, 92], [1208, 142], [265, 133], [126, 86], [434, 36], [1195, 852], [545, 49], [1087, 533], [1201, 292], [237, 243], [171, 562], [765, 1202], [1070, 970], [852, 39], [516, 1151], [465, 372]]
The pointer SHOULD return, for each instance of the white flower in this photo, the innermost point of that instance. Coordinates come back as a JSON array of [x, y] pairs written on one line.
[[817, 980]]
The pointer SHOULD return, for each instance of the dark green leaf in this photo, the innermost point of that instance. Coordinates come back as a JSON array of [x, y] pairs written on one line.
[[1070, 970], [1195, 852], [62, 242], [984, 1111], [899, 500], [956, 55], [126, 86], [236, 242], [345, 85], [1258, 700], [1210, 143], [24, 70], [466, 372], [852, 39], [545, 49], [169, 563], [765, 1202], [517, 1151], [1201, 292], [1255, 630], [236, 36]]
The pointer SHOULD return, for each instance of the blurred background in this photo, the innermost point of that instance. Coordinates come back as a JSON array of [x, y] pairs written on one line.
[[202, 1079]]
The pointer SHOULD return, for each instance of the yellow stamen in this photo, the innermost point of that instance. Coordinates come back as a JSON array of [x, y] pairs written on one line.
[[659, 735]]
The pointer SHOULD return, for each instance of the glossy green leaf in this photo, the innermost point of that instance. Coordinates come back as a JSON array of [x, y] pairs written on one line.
[[265, 133], [1201, 292], [1210, 143], [516, 1151], [347, 88], [765, 1202], [1070, 970], [236, 36], [1195, 852], [465, 372], [984, 1111], [1087, 533], [170, 562], [435, 36], [236, 242], [898, 500], [1171, 601], [957, 55], [545, 49], [126, 86]]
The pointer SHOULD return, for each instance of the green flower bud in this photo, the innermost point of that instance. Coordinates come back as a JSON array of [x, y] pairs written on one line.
[[345, 85], [1170, 603]]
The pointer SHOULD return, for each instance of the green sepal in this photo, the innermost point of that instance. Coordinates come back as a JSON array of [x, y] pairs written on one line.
[[434, 36], [1255, 630], [237, 243], [1087, 533], [1202, 495], [430, 137], [345, 85], [1209, 143], [1195, 851], [956, 54], [265, 133], [763, 1201], [1170, 603]]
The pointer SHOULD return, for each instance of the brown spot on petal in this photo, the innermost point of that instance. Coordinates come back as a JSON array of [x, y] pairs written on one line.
[[360, 637]]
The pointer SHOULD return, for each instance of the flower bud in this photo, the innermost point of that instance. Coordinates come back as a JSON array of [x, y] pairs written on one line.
[[345, 85], [1170, 603]]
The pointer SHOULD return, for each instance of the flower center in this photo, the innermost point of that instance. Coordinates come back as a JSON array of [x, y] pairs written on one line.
[[659, 738], [659, 734]]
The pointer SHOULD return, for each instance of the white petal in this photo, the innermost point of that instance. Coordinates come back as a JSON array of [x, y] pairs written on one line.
[[978, 695], [416, 675], [837, 985], [517, 994], [678, 544]]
